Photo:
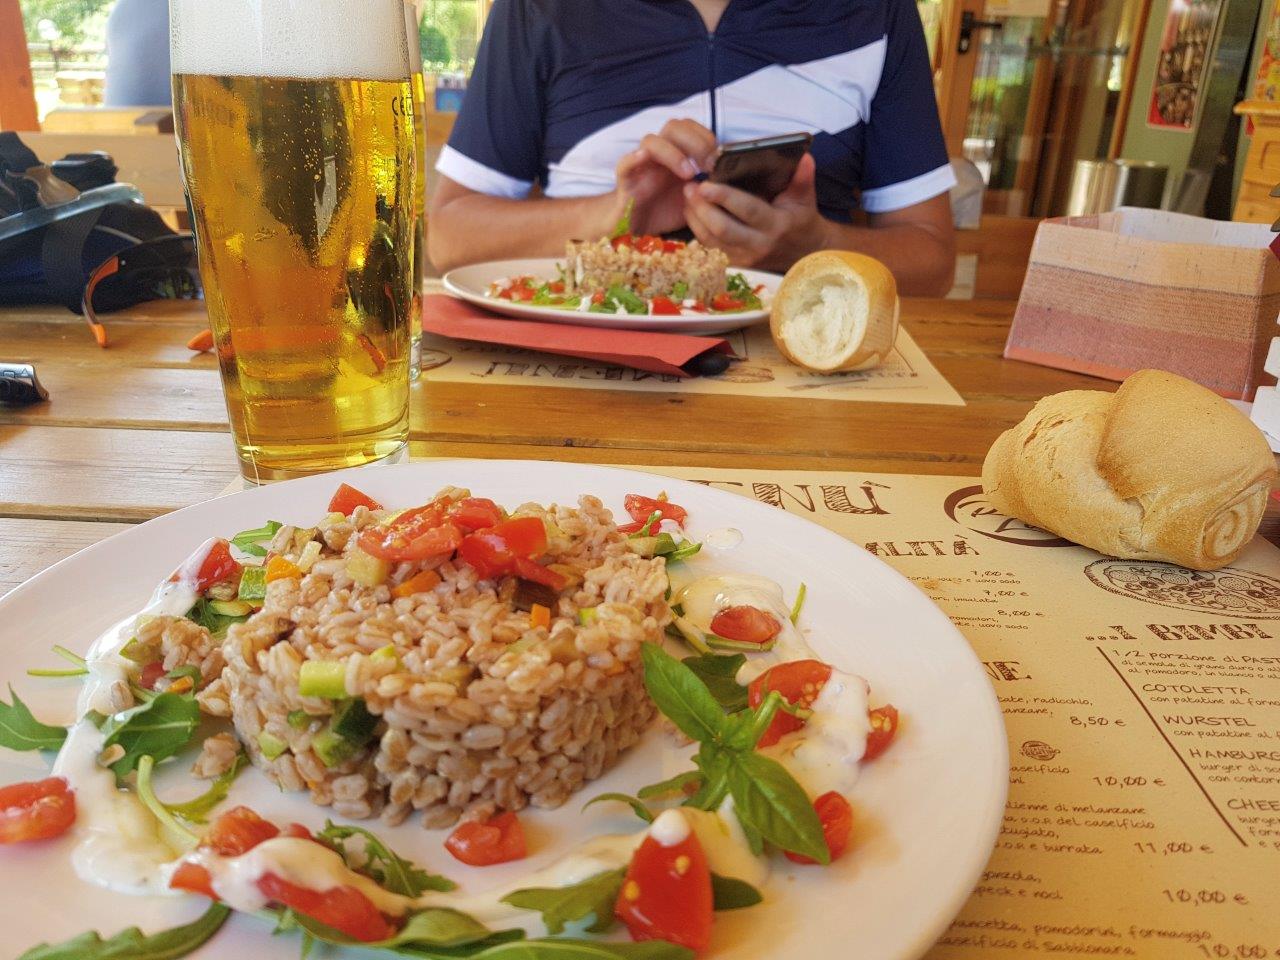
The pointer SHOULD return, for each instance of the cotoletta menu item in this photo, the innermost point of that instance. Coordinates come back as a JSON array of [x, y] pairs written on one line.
[[1142, 702]]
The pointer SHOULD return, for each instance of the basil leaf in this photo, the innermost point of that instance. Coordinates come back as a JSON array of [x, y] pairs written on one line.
[[592, 897], [729, 893], [641, 811], [19, 730], [133, 944], [714, 764], [674, 784], [158, 728], [197, 810], [249, 541], [387, 868], [769, 800], [719, 673], [680, 695]]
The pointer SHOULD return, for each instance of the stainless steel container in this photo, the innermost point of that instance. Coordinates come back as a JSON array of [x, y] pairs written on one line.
[[1098, 186]]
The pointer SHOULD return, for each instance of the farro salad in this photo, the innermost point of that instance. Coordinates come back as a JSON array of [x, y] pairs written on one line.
[[639, 274], [455, 662]]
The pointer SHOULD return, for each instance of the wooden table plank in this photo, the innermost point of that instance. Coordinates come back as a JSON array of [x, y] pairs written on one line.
[[32, 545]]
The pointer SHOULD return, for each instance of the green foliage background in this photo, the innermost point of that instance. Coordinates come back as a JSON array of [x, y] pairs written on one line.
[[69, 16]]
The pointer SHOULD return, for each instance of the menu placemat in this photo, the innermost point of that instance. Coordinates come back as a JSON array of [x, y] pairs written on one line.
[[1142, 703], [906, 376]]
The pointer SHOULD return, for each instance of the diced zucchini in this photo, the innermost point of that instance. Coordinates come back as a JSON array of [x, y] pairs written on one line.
[[271, 745], [366, 570], [230, 608], [332, 748], [138, 652], [587, 615], [386, 653], [253, 585], [692, 635], [323, 678], [309, 555], [298, 719], [644, 546], [354, 722]]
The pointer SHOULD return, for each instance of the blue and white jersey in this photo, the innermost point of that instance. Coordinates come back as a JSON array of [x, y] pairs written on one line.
[[563, 88]]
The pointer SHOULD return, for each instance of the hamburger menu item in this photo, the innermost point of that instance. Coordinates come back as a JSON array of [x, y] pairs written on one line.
[[1162, 469], [836, 310]]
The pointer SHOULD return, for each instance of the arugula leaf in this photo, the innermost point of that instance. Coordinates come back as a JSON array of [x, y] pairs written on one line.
[[567, 949], [729, 893], [197, 810], [430, 928], [623, 226], [679, 290], [719, 673], [594, 897], [78, 666], [799, 603], [19, 730], [216, 623], [158, 728], [680, 695], [174, 834], [641, 811], [674, 784], [630, 302], [769, 800], [249, 541], [738, 288], [388, 869], [133, 944]]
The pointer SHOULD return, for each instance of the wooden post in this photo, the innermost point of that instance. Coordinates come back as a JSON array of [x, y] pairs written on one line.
[[17, 92]]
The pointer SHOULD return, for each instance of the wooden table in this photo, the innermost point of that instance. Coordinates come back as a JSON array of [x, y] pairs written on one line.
[[140, 429]]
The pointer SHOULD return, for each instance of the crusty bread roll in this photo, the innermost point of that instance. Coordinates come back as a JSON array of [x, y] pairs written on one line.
[[835, 310], [1162, 469]]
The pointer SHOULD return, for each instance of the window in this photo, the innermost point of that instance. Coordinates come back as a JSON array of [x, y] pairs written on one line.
[[449, 34], [66, 41]]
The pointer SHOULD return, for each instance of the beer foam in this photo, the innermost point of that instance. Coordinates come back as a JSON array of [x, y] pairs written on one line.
[[300, 39]]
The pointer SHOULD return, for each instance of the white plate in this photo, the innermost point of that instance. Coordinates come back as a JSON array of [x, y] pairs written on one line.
[[472, 284], [926, 813]]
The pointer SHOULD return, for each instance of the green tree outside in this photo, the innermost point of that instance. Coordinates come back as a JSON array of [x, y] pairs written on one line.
[[71, 17]]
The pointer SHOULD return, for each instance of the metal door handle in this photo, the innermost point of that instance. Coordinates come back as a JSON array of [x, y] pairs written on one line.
[[968, 23]]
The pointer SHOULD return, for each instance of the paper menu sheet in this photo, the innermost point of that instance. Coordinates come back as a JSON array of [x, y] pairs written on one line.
[[1142, 704]]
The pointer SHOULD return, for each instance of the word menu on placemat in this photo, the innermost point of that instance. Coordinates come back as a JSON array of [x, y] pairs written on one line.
[[906, 376], [1142, 704]]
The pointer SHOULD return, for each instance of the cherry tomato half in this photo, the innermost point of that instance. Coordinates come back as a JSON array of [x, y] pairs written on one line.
[[151, 673], [342, 908], [664, 307], [475, 513], [232, 834], [641, 508], [722, 301], [481, 843], [746, 624], [39, 810], [218, 566], [667, 894], [346, 498], [414, 535], [799, 682], [884, 727], [837, 823]]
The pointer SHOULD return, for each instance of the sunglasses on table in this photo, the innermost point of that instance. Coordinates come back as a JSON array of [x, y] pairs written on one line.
[[161, 269]]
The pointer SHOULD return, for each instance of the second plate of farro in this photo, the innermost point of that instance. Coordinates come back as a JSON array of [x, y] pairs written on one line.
[[490, 709]]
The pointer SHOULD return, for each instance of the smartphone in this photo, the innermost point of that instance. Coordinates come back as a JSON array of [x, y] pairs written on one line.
[[763, 167]]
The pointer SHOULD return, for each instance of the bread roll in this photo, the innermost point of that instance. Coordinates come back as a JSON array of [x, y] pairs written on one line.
[[1162, 469], [835, 310]]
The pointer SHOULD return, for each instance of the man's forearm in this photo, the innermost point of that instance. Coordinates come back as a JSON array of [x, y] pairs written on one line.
[[922, 260], [473, 227]]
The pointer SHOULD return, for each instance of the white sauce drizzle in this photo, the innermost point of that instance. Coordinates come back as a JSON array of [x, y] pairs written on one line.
[[825, 754], [670, 828], [118, 844], [722, 540]]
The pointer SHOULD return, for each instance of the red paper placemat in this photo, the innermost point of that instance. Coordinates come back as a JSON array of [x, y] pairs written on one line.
[[643, 349]]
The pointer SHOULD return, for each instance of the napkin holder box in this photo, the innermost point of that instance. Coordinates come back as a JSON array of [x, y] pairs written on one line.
[[1112, 293]]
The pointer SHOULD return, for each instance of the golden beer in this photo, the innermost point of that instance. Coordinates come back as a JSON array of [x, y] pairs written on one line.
[[303, 198]]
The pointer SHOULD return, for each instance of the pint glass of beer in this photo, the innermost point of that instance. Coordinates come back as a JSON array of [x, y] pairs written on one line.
[[295, 123]]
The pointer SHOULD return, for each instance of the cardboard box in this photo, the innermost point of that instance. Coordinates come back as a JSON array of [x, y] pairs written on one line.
[[1117, 292]]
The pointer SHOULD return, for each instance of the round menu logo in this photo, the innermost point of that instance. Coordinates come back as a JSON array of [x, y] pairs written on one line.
[[969, 508], [1038, 750]]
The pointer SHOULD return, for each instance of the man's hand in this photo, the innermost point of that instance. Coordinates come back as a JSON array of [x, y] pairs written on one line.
[[654, 174], [753, 232]]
